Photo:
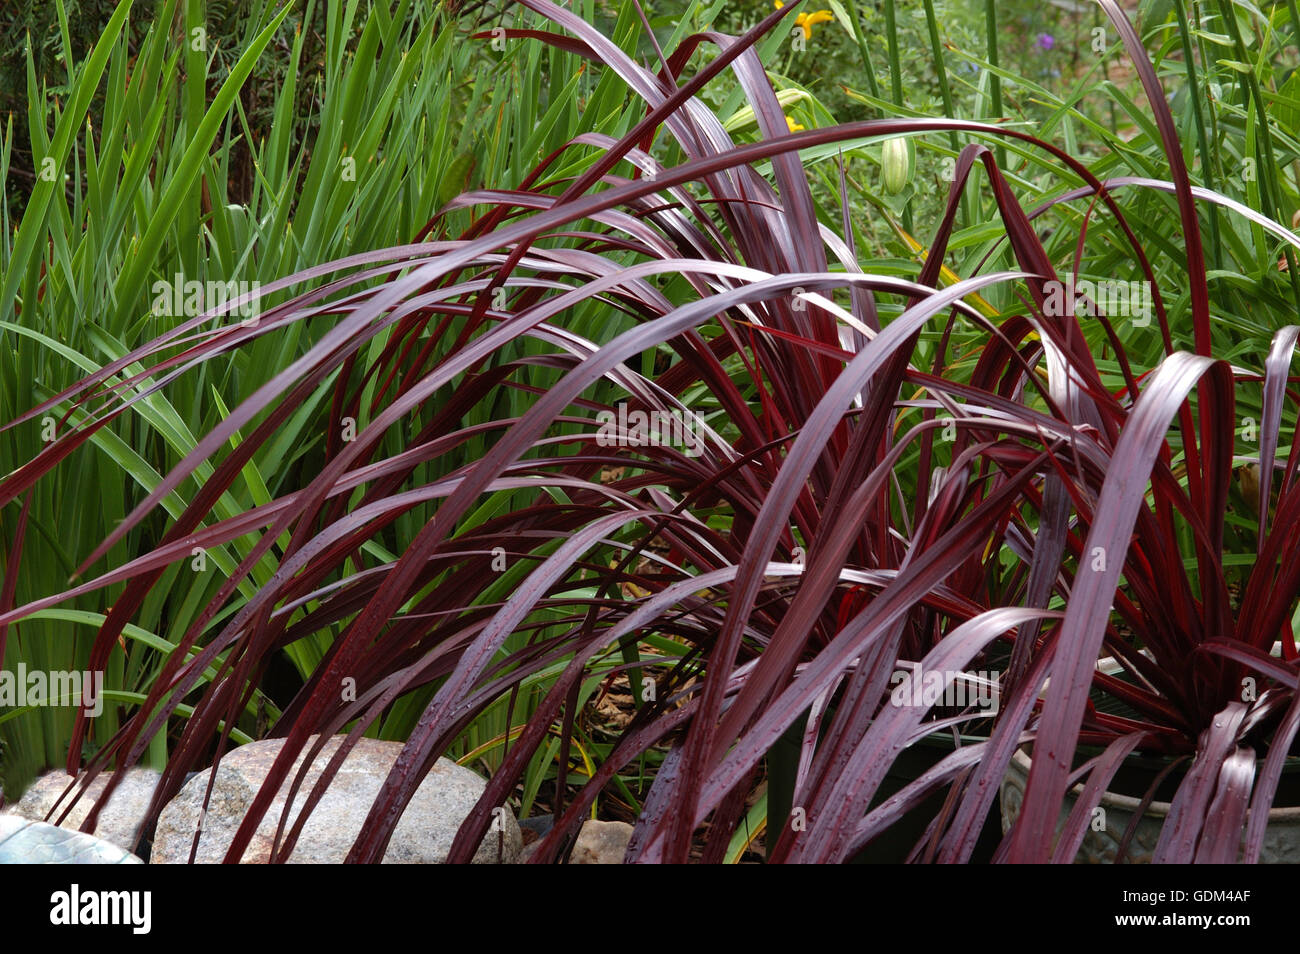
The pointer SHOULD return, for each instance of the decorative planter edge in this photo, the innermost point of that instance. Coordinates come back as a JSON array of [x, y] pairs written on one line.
[[1281, 839]]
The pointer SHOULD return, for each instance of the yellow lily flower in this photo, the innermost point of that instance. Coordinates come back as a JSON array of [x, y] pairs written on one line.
[[794, 126], [806, 21]]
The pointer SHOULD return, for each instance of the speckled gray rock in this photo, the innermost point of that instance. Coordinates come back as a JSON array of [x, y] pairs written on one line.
[[423, 835], [601, 843], [121, 818], [27, 842]]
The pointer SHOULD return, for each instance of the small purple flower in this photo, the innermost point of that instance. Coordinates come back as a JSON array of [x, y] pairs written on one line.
[[1046, 41]]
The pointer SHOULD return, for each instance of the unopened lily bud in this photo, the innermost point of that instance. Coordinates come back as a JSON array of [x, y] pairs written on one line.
[[895, 165]]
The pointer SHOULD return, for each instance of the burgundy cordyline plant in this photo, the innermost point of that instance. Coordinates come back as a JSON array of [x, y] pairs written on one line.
[[804, 547]]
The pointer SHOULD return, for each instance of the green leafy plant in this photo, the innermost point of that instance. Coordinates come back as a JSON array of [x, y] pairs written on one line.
[[148, 148]]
